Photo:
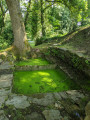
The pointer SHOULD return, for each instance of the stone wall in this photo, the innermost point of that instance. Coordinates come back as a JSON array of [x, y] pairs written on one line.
[[36, 67], [76, 60]]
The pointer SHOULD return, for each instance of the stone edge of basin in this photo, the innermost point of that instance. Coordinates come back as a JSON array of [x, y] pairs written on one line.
[[35, 67]]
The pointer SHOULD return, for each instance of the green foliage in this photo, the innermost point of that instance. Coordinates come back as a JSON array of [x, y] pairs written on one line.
[[87, 62], [3, 10], [77, 62], [34, 19], [7, 33], [3, 43], [14, 113], [40, 40], [6, 38], [86, 22], [58, 19], [47, 53]]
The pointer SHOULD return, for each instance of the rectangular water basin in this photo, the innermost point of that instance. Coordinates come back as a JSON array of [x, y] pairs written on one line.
[[42, 81]]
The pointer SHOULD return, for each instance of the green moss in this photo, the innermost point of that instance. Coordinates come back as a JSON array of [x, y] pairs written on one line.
[[87, 62], [38, 61], [29, 82], [86, 87]]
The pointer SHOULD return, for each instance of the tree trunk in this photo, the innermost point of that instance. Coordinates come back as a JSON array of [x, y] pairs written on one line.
[[20, 39]]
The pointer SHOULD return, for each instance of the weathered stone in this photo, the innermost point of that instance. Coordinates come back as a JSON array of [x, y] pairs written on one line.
[[59, 106], [36, 67], [2, 100], [4, 92], [18, 101], [57, 96], [6, 80], [87, 108], [79, 54], [2, 115], [52, 114], [47, 100], [34, 116], [87, 117], [6, 65], [65, 118], [69, 56], [63, 95], [34, 56], [75, 95], [7, 76], [63, 49]]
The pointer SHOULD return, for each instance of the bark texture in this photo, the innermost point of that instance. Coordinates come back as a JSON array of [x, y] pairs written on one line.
[[20, 38]]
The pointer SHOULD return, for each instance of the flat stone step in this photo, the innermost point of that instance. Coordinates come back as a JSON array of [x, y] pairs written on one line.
[[6, 68], [36, 67], [6, 65], [6, 80]]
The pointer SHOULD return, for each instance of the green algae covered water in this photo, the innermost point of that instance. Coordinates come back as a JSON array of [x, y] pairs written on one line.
[[33, 62], [31, 82]]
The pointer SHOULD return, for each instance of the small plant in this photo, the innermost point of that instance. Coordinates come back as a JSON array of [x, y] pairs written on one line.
[[87, 62]]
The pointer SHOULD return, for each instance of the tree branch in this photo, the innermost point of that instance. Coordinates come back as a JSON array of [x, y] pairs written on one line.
[[48, 7]]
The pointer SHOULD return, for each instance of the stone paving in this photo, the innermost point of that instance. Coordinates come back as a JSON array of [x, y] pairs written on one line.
[[69, 105]]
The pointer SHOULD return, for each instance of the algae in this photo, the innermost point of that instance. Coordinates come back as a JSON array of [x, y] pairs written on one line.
[[38, 61], [30, 82]]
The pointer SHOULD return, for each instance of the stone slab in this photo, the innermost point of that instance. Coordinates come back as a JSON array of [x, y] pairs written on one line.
[[35, 67], [63, 95], [6, 65], [52, 114], [75, 95], [46, 100], [4, 92], [57, 96], [6, 80], [34, 116], [18, 102]]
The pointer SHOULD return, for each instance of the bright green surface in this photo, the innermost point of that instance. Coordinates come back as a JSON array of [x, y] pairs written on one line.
[[29, 82], [38, 61]]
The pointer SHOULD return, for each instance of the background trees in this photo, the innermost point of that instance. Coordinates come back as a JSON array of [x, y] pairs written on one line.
[[42, 19], [57, 17], [89, 8]]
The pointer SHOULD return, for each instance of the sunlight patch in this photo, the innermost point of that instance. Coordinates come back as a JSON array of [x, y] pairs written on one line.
[[31, 82]]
